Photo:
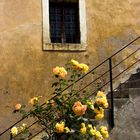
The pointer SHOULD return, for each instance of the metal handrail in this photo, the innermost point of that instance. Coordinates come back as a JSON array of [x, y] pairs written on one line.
[[108, 59]]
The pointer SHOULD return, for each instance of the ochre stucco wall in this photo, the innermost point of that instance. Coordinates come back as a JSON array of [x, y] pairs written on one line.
[[26, 70]]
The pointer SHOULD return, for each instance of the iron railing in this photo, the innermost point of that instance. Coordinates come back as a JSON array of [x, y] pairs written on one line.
[[109, 81]]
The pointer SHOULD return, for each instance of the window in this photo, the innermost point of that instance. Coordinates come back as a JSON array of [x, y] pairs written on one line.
[[64, 22], [64, 25]]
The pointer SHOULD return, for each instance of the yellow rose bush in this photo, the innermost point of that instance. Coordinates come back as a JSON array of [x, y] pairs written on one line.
[[67, 115]]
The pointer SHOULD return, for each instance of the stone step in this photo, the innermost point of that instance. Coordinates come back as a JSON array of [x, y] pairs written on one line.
[[134, 93], [130, 84], [121, 93], [134, 76], [124, 93], [118, 103]]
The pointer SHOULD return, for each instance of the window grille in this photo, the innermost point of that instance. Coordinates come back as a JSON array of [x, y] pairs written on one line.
[[64, 22]]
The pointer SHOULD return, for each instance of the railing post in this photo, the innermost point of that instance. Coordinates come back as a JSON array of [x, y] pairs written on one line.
[[111, 91], [11, 137]]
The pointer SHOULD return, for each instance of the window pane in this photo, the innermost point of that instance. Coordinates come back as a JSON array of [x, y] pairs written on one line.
[[71, 23], [55, 23]]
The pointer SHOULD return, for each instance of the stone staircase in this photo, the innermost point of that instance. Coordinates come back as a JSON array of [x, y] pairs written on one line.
[[127, 109]]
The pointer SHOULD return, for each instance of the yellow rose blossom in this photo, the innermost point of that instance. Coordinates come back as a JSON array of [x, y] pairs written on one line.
[[23, 127], [74, 62], [102, 101], [92, 132], [63, 72], [98, 135], [105, 105], [92, 107], [99, 111], [100, 138], [99, 117], [60, 71], [83, 125], [18, 107], [100, 94], [34, 100], [83, 67], [90, 126], [59, 127], [47, 102], [56, 70], [89, 103], [79, 109], [103, 128], [67, 130], [14, 131], [105, 135], [80, 66], [83, 130], [52, 102], [104, 131]]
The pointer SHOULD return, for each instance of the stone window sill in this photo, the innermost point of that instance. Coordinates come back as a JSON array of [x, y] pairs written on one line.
[[64, 47]]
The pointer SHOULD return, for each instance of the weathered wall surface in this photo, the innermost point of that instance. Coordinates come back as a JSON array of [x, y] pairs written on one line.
[[25, 70]]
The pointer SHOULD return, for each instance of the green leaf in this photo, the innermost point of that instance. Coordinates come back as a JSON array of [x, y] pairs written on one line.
[[55, 84], [78, 75]]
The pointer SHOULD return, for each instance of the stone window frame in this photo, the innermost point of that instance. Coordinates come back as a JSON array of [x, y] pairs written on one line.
[[47, 45]]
